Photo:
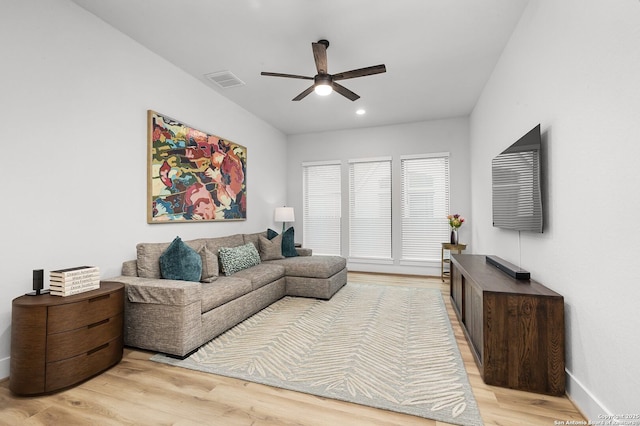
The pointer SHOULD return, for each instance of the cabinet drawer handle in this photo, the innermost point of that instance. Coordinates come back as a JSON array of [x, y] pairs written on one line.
[[95, 299], [99, 348], [95, 324]]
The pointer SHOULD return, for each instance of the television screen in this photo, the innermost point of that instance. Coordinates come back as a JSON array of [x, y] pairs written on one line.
[[516, 193]]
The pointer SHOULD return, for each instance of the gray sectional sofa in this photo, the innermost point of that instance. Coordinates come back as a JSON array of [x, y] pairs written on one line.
[[176, 317]]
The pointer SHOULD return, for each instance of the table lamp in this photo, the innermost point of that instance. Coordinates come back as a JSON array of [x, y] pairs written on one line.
[[284, 214]]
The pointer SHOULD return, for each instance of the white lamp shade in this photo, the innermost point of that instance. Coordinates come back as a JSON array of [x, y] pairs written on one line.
[[284, 214]]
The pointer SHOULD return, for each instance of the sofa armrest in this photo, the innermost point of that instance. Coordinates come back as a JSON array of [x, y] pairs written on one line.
[[130, 268], [304, 251], [159, 291], [161, 315]]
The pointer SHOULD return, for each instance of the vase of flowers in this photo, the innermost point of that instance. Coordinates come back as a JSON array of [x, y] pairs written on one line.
[[455, 222]]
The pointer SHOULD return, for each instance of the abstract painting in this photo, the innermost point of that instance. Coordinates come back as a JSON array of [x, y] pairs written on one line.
[[192, 175]]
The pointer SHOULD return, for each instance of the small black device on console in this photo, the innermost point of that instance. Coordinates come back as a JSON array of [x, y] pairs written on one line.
[[38, 283], [508, 268]]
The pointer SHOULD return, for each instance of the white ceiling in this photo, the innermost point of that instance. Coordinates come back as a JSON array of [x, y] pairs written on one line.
[[438, 53]]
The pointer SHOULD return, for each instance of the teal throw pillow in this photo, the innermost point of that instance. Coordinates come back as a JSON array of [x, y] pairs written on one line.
[[288, 241], [234, 259], [180, 262]]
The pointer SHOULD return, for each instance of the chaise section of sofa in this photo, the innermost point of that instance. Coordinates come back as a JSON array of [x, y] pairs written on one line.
[[319, 277], [176, 317]]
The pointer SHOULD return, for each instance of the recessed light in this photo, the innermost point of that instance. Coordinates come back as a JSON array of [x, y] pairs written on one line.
[[361, 112]]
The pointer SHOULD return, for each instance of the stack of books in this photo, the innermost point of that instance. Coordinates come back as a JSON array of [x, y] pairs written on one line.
[[67, 282]]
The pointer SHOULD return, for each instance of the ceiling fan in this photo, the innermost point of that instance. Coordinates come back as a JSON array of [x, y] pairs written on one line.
[[323, 82]]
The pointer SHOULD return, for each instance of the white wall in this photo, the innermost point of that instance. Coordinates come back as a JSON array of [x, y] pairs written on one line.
[[450, 135], [574, 67], [73, 99]]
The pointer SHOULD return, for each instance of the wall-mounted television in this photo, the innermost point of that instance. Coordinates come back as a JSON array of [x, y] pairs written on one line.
[[516, 192]]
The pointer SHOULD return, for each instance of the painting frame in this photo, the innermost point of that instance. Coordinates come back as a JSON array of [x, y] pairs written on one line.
[[192, 175]]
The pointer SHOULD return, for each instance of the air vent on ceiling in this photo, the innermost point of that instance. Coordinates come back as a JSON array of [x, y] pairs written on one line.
[[224, 79]]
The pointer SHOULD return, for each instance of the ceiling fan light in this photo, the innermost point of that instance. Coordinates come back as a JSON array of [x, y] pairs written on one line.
[[323, 89]]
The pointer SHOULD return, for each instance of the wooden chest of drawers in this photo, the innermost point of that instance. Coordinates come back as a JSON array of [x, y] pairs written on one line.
[[57, 342]]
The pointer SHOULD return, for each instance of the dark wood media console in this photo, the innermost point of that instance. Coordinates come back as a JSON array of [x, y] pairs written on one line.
[[515, 327]]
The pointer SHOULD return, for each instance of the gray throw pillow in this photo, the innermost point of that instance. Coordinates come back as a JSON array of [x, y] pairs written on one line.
[[270, 249], [209, 265], [234, 259]]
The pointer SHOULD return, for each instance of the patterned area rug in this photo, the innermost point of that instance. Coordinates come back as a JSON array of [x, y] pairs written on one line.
[[381, 346]]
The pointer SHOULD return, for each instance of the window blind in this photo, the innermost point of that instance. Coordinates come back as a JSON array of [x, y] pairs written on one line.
[[425, 206], [370, 208], [321, 207]]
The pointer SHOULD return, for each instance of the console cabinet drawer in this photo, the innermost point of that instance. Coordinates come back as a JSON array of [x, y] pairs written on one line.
[[70, 371], [79, 314], [75, 342]]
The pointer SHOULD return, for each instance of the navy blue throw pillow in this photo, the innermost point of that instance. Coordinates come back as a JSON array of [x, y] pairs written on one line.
[[271, 234]]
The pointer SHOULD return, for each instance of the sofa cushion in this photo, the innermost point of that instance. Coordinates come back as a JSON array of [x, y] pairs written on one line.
[[312, 266], [288, 241], [261, 275], [222, 291], [180, 262], [271, 249], [234, 259], [148, 257], [210, 268], [214, 244], [254, 238]]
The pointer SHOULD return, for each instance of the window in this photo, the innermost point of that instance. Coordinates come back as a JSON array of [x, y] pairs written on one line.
[[370, 208], [321, 207], [425, 206]]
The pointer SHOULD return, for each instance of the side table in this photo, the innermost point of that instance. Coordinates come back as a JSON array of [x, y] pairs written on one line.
[[451, 248], [57, 342]]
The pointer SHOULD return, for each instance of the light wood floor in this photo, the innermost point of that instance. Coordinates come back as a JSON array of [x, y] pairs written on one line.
[[141, 392]]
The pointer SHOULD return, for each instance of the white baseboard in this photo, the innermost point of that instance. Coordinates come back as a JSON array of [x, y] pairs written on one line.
[[585, 401], [394, 269], [4, 368]]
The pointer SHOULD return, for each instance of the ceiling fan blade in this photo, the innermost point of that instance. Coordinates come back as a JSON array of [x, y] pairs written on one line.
[[345, 92], [277, 74], [304, 94], [320, 56], [376, 69]]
